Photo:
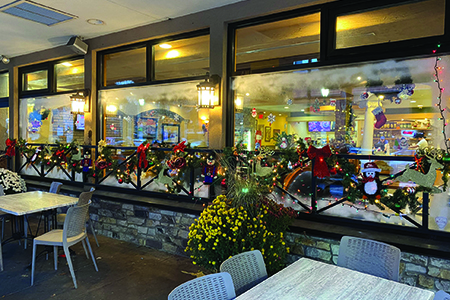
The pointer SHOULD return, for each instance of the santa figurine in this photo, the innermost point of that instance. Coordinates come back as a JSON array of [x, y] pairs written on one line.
[[371, 184]]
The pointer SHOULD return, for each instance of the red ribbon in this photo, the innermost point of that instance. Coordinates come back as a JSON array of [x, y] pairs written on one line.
[[61, 155], [142, 152], [11, 147], [180, 147], [368, 179], [419, 164], [320, 165]]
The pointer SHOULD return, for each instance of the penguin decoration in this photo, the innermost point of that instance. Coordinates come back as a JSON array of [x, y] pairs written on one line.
[[371, 184]]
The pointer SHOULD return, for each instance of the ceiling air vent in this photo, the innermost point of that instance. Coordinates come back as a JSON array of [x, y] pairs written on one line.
[[36, 12]]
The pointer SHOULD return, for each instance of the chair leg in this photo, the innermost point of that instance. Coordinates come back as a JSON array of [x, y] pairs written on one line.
[[69, 262], [3, 229], [55, 256], [92, 254], [84, 247], [93, 231], [33, 260]]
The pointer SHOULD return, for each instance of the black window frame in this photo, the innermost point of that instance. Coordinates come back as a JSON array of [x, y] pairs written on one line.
[[51, 78], [4, 101], [150, 60]]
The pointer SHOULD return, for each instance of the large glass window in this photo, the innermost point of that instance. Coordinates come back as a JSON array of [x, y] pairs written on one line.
[[125, 67], [378, 108], [182, 58], [165, 114], [283, 43], [70, 75], [36, 80], [4, 126], [4, 85], [49, 119], [397, 23]]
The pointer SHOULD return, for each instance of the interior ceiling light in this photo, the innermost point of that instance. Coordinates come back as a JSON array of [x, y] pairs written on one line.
[[66, 64], [4, 59], [36, 12], [172, 54], [95, 22], [165, 46]]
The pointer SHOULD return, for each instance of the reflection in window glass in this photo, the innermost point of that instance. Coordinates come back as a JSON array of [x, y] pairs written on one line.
[[163, 113], [49, 119], [126, 67], [391, 24], [377, 108], [283, 43], [70, 75], [37, 80], [4, 126], [4, 85], [182, 58]]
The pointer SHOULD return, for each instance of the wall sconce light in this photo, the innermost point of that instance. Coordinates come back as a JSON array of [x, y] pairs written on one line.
[[80, 102], [4, 59], [239, 103], [325, 92], [208, 92], [111, 110]]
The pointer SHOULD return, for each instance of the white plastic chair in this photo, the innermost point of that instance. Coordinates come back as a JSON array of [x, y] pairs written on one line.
[[246, 269], [3, 215], [74, 231], [441, 295], [55, 187], [370, 257], [83, 199], [217, 286]]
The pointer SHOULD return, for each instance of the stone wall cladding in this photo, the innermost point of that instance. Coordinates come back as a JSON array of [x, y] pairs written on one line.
[[426, 272], [145, 226]]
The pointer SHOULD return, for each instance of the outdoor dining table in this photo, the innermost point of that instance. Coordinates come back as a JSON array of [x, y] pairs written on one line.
[[23, 204], [307, 279]]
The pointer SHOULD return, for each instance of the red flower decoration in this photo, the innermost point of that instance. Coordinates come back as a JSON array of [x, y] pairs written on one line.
[[11, 147], [180, 147]]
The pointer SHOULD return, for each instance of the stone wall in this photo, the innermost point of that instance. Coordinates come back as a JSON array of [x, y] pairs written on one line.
[[142, 225], [417, 270]]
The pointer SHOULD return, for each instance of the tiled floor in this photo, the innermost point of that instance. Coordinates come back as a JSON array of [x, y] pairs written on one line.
[[126, 271]]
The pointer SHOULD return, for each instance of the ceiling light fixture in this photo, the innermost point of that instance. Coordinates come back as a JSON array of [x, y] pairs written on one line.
[[165, 46], [95, 22], [66, 64], [5, 59]]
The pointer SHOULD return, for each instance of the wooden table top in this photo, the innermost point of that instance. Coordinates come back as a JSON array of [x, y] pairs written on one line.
[[31, 202], [308, 279]]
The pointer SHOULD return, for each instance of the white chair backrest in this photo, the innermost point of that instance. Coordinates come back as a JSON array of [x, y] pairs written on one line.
[[370, 257], [55, 187], [2, 191], [246, 269], [84, 198], [217, 286], [441, 295], [75, 222]]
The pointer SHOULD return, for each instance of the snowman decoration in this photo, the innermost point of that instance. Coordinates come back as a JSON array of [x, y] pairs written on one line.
[[283, 144], [371, 184]]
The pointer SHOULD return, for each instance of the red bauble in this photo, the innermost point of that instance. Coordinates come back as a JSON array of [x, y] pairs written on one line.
[[74, 164], [120, 180]]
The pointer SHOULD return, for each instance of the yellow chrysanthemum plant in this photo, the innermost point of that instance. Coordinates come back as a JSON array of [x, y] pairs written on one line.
[[244, 220]]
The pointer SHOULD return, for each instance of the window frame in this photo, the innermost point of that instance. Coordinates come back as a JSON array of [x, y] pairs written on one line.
[[4, 101], [150, 60], [409, 47], [50, 67]]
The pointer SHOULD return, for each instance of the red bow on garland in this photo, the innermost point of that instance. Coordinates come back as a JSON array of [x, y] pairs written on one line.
[[419, 163], [61, 155], [11, 147], [320, 165], [142, 152], [180, 147]]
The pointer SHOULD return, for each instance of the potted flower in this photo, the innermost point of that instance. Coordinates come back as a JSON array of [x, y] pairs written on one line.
[[11, 182]]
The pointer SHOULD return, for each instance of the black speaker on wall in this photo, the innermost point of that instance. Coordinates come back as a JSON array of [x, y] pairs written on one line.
[[77, 45]]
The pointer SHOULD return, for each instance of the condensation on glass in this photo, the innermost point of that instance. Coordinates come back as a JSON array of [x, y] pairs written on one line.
[[288, 42], [70, 75], [49, 119], [345, 107], [125, 67], [182, 58], [4, 85], [37, 80], [160, 113], [403, 22]]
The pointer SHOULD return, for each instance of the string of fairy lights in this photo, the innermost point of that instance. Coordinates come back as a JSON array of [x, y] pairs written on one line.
[[437, 71]]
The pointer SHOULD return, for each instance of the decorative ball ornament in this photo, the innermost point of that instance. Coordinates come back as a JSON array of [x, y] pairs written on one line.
[[398, 101], [364, 96], [120, 180], [289, 102]]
